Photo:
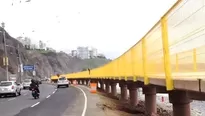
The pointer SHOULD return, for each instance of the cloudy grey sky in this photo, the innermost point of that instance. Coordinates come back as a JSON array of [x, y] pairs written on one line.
[[112, 26]]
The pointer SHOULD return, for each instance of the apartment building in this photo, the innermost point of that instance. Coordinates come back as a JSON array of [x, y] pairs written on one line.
[[74, 53], [83, 52], [42, 45], [93, 53], [25, 41]]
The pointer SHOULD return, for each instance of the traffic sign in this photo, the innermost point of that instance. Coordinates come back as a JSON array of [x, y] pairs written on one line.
[[29, 67]]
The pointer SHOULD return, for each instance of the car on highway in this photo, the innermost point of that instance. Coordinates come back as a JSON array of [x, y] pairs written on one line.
[[9, 88], [62, 81], [26, 83], [21, 85]]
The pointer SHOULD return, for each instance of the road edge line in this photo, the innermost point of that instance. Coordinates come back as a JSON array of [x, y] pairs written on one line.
[[86, 87], [48, 96], [85, 103]]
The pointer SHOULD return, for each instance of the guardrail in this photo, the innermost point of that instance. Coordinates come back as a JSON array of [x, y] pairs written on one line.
[[172, 49]]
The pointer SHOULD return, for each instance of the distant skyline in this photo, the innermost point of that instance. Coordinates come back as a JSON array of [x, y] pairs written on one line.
[[111, 26]]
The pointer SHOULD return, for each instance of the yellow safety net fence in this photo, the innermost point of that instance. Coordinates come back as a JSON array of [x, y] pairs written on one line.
[[172, 49]]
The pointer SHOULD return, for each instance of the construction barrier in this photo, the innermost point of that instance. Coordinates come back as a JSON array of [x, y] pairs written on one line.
[[74, 82], [93, 87]]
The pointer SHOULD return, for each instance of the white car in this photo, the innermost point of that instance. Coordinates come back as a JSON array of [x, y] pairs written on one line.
[[26, 83], [21, 85], [10, 88], [62, 81]]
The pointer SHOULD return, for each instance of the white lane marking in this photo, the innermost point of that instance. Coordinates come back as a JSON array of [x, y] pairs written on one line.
[[54, 92], [11, 99], [35, 104], [48, 96], [86, 100]]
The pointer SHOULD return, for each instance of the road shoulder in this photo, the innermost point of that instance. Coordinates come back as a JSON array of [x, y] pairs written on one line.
[[92, 101], [77, 107]]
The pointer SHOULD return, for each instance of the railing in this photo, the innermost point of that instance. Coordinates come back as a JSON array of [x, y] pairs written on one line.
[[172, 49]]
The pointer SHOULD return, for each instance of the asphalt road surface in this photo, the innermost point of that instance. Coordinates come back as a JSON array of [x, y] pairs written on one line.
[[10, 106], [64, 99], [70, 101]]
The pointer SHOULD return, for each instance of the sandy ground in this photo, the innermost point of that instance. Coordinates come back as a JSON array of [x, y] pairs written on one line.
[[113, 107]]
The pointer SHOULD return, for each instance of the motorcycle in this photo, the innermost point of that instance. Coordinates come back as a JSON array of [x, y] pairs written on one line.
[[35, 94]]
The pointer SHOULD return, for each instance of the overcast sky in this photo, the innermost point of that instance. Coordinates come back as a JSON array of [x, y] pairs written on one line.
[[111, 26]]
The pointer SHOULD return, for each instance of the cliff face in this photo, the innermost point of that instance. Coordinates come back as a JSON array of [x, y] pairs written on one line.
[[47, 63]]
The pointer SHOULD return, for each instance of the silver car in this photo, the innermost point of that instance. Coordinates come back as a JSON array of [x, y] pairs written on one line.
[[26, 83], [9, 88], [62, 81]]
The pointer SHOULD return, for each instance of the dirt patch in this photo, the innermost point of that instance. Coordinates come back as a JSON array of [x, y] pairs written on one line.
[[112, 106]]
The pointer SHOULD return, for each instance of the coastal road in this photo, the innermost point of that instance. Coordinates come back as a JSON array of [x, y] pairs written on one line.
[[72, 101], [10, 106], [69, 99]]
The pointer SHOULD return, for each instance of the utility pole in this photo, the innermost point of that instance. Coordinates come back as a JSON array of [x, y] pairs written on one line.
[[5, 52], [20, 64], [26, 75]]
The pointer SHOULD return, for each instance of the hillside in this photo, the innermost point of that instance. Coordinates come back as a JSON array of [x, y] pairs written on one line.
[[47, 63]]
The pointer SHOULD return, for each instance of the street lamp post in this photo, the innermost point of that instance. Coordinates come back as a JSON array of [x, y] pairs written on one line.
[[20, 64], [5, 51]]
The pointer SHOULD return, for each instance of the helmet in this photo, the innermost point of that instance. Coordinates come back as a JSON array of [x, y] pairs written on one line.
[[32, 80]]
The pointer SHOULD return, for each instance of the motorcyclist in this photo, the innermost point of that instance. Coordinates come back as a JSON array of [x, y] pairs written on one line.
[[34, 85]]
